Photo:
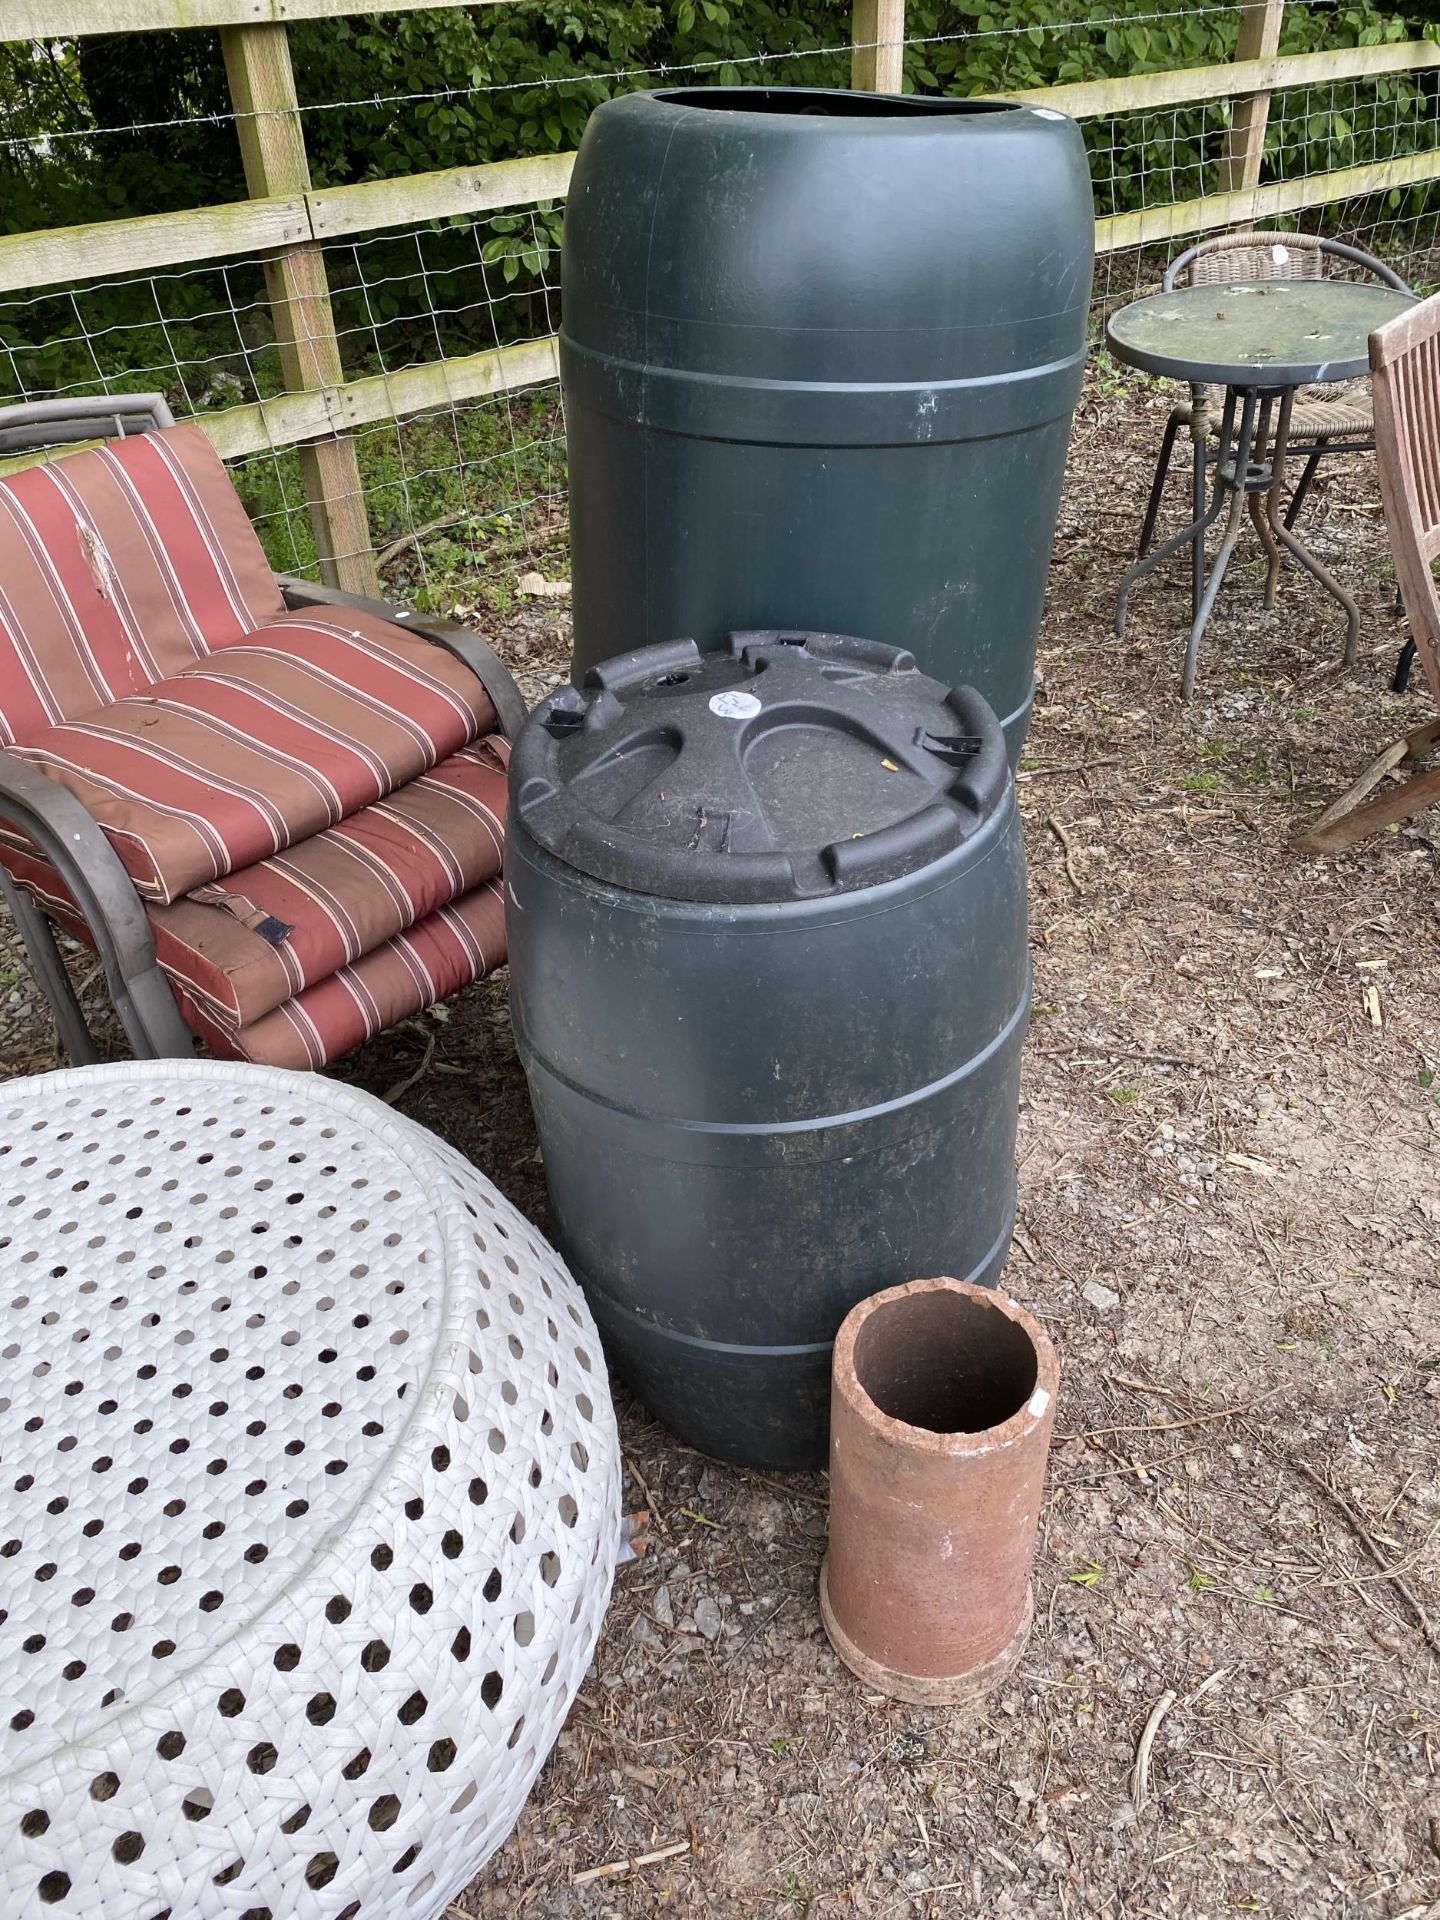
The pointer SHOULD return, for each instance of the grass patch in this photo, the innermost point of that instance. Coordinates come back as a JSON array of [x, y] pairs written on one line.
[[464, 482]]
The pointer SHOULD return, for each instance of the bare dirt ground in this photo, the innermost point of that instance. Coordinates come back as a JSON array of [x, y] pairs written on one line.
[[1230, 1212]]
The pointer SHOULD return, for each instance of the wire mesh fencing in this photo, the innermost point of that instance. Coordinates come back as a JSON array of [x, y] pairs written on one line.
[[462, 471]]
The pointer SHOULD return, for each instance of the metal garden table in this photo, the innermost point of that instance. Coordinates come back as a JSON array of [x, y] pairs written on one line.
[[1260, 340]]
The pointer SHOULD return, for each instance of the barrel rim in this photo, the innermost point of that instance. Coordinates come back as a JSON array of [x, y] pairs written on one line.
[[841, 104], [747, 918]]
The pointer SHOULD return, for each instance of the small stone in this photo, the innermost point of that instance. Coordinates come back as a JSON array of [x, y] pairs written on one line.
[[646, 1634], [1101, 1298], [663, 1607], [707, 1618], [711, 1487]]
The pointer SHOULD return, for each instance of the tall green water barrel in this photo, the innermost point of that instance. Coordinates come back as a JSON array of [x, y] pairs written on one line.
[[820, 352], [769, 982]]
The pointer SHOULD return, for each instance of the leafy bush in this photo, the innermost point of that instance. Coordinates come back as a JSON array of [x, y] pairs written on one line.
[[126, 124]]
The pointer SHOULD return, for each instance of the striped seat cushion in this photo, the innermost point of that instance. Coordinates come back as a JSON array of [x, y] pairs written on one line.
[[240, 947], [441, 954], [120, 565], [278, 736]]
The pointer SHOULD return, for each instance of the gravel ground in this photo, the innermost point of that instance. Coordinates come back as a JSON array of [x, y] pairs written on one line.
[[1229, 1205]]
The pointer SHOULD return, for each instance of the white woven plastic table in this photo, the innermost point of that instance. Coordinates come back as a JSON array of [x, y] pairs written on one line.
[[309, 1501]]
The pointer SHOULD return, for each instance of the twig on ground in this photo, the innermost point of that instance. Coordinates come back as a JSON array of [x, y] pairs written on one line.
[[414, 537], [1172, 1426], [402, 1087], [1210, 1680], [1073, 766], [789, 1493], [612, 1867], [1122, 1052], [650, 1501], [1362, 1532], [1140, 1773], [1060, 834], [700, 1520]]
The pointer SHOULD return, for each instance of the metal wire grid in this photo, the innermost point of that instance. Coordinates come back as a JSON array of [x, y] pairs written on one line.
[[462, 489], [490, 469], [834, 56], [469, 486]]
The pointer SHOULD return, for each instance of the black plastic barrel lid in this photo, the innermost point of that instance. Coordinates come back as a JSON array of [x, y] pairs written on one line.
[[784, 767]]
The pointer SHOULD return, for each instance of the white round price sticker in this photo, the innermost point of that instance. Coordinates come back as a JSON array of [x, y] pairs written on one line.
[[733, 705]]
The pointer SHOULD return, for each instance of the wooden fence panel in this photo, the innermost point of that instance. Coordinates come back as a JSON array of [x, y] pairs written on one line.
[[272, 145], [62, 255], [1258, 39], [73, 19], [878, 32], [286, 220]]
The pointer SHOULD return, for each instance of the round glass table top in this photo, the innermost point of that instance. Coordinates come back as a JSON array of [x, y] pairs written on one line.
[[1259, 334]]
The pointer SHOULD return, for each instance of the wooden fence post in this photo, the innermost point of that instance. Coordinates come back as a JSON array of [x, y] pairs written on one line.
[[1259, 39], [272, 145], [878, 33]]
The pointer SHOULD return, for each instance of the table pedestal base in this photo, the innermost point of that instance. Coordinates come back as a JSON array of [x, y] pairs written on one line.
[[1243, 476]]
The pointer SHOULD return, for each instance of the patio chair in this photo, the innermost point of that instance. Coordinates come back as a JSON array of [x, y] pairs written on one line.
[[1405, 382], [1317, 426], [276, 811]]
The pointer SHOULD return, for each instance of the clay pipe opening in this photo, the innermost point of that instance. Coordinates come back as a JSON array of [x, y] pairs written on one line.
[[945, 1362], [943, 1397]]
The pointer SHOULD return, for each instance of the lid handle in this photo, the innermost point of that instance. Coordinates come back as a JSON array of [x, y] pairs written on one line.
[[954, 748], [981, 774], [873, 857]]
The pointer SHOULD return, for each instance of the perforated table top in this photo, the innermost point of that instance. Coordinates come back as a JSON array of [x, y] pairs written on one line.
[[310, 1499]]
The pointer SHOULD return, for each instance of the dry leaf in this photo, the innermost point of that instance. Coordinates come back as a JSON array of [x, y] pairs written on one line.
[[539, 588], [1251, 1164]]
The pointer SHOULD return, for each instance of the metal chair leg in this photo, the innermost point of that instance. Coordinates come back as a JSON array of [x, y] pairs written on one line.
[[1197, 551], [1297, 498], [1157, 487], [1187, 536], [1244, 449], [1260, 507], [43, 955], [151, 1018], [1402, 668]]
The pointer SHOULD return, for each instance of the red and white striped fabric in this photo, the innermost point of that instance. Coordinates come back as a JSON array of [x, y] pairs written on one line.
[[444, 952], [119, 566], [276, 737], [242, 946], [308, 804]]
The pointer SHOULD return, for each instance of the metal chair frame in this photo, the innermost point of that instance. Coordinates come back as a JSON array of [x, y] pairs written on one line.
[[65, 835], [1215, 262]]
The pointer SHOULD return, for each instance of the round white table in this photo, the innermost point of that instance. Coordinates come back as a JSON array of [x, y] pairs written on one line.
[[309, 1501]]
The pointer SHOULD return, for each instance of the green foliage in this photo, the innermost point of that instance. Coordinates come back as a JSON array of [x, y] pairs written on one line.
[[478, 472], [129, 124], [1004, 46], [524, 78]]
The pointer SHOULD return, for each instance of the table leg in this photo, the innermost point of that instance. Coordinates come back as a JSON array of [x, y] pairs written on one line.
[[1294, 544], [1244, 449], [1195, 532], [1259, 506]]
